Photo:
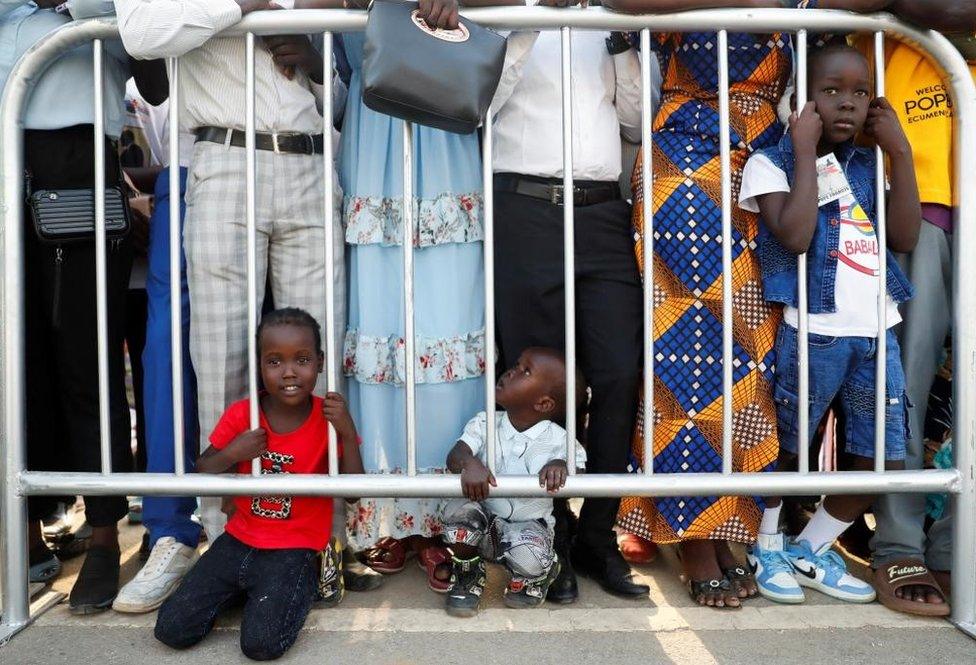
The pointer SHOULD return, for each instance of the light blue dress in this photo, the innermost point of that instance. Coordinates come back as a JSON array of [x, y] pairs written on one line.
[[448, 300]]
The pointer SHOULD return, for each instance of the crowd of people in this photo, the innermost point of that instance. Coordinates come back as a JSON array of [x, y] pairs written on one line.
[[803, 182]]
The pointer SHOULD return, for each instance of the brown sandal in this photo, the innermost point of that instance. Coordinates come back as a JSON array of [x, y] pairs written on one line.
[[908, 572], [430, 559], [388, 556]]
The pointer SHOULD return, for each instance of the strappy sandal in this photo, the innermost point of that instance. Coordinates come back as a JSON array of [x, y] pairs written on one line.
[[717, 590], [429, 559], [739, 577], [388, 556], [908, 572]]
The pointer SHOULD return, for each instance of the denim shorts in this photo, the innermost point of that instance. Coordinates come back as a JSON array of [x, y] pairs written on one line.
[[844, 367]]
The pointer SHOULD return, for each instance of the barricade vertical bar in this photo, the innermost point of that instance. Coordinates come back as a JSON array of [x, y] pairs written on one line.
[[101, 261], [569, 247], [409, 354], [14, 601], [328, 200], [488, 192], [647, 245], [252, 240], [881, 358], [726, 157], [175, 276], [803, 323], [964, 353]]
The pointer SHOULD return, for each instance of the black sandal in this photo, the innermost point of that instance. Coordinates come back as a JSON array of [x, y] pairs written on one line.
[[738, 576], [717, 590]]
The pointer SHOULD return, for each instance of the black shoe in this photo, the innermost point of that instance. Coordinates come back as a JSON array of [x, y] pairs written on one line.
[[97, 583], [563, 590], [608, 568], [358, 576], [522, 593], [467, 585]]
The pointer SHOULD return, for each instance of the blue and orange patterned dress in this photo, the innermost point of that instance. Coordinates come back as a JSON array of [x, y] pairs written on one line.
[[688, 284]]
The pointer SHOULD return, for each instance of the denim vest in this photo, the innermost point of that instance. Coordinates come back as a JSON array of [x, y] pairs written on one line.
[[779, 265]]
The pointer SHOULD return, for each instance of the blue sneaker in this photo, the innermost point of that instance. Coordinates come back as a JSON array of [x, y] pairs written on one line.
[[826, 572], [773, 571]]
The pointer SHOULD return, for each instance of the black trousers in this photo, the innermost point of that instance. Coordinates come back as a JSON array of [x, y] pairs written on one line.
[[62, 355], [609, 323], [276, 588]]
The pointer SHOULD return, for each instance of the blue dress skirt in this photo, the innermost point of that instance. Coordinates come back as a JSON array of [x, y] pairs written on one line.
[[448, 301]]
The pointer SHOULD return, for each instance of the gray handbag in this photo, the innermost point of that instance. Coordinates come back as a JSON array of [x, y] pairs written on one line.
[[439, 78]]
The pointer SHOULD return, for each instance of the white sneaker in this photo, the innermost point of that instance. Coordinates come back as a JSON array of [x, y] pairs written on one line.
[[168, 562]]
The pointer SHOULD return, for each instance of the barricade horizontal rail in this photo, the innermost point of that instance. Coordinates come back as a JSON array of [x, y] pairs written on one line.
[[18, 483]]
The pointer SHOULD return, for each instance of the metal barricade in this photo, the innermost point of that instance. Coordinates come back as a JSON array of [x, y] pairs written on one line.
[[17, 483]]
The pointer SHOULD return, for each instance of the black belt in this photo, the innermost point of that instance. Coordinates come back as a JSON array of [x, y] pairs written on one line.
[[585, 193], [291, 143]]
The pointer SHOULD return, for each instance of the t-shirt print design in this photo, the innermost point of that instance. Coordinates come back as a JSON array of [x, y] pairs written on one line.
[[858, 242], [273, 507]]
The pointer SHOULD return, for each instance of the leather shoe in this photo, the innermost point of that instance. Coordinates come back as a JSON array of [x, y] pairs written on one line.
[[563, 589], [608, 568]]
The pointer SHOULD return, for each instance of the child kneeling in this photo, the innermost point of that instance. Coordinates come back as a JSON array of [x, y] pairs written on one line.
[[815, 193], [266, 558], [517, 533]]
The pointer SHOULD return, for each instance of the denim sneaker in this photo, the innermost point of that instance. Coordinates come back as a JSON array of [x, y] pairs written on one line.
[[773, 571], [826, 572]]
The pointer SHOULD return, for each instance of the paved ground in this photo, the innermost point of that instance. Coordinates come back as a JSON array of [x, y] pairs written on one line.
[[403, 623]]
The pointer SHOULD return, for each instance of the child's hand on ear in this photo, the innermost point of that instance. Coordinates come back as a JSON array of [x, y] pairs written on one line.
[[553, 475], [806, 128], [882, 125]]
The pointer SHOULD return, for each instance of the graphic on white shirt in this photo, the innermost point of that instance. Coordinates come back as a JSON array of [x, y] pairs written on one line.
[[857, 280]]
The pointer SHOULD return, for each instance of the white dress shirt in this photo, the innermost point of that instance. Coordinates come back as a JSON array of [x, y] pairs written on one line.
[[212, 70], [518, 454], [527, 106]]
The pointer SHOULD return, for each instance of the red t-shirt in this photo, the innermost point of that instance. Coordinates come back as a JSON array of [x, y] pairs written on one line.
[[281, 522]]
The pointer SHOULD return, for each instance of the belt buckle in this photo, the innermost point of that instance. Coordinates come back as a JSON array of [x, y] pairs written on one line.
[[274, 143], [556, 195]]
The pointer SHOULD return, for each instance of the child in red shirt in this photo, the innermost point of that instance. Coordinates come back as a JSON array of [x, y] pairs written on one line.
[[266, 556]]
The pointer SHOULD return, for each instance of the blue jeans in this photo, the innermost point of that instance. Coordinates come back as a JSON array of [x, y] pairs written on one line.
[[167, 516], [841, 366], [276, 587]]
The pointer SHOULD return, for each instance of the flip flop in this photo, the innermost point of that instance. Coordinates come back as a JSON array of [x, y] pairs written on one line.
[[908, 572], [717, 589]]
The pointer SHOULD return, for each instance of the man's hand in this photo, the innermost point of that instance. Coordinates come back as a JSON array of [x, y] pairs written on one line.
[[475, 479], [439, 13], [336, 411], [806, 129], [249, 445], [248, 6], [291, 51], [553, 475], [561, 3], [882, 125]]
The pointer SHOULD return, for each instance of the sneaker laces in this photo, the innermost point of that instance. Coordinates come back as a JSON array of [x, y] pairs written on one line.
[[775, 561], [831, 561], [159, 558]]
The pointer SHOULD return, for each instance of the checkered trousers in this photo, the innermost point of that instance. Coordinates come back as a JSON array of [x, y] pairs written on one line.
[[290, 257]]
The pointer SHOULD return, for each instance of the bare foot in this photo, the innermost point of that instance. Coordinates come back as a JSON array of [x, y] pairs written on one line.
[[920, 593], [743, 583], [704, 575]]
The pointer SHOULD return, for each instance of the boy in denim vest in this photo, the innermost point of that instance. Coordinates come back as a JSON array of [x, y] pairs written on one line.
[[815, 193]]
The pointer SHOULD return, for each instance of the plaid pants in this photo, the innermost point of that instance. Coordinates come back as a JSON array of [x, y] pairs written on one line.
[[290, 257]]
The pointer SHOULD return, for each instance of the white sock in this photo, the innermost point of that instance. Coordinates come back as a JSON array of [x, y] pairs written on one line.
[[822, 529], [770, 521]]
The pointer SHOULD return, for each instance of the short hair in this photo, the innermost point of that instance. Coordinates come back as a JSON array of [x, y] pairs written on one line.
[[559, 386], [817, 55], [290, 316]]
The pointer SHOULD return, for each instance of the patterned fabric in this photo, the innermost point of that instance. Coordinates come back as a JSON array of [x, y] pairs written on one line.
[[377, 359], [688, 284], [369, 520], [290, 248], [443, 219]]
